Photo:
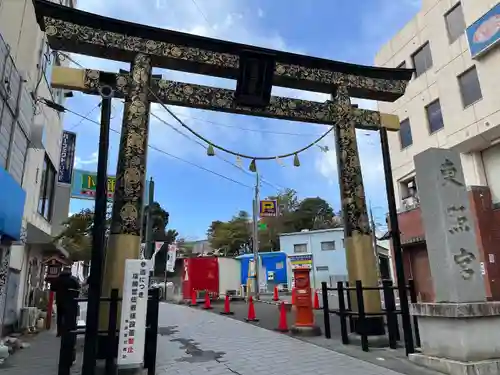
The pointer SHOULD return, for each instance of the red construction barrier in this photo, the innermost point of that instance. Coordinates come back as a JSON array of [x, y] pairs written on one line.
[[276, 295], [227, 309], [251, 311], [283, 324], [316, 301]]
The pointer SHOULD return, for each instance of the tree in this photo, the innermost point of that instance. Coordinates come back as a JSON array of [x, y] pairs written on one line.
[[76, 237], [231, 237]]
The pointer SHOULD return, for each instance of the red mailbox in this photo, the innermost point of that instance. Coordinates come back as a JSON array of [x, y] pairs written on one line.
[[304, 317]]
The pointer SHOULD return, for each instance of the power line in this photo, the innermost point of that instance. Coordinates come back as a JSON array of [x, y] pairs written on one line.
[[60, 108], [216, 155], [82, 119], [203, 15], [248, 129]]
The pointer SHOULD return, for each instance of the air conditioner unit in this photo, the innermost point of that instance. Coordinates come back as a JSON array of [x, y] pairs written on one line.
[[28, 318], [410, 203]]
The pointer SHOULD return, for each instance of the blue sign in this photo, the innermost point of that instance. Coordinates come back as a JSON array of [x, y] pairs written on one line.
[[11, 206], [67, 157], [484, 34]]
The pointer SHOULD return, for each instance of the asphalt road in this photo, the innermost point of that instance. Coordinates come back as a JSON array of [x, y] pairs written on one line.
[[269, 315]]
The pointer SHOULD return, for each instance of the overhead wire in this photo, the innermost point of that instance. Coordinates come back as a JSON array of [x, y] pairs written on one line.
[[218, 156], [58, 107]]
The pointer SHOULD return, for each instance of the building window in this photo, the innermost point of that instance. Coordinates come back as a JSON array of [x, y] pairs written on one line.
[[422, 59], [47, 186], [327, 245], [405, 134], [434, 116], [402, 65], [322, 268], [300, 248], [470, 88], [455, 22]]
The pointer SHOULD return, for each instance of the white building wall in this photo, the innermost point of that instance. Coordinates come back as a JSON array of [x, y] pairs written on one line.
[[468, 130], [19, 29]]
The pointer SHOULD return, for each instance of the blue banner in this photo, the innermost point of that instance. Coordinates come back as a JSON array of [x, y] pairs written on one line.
[[484, 34], [67, 157]]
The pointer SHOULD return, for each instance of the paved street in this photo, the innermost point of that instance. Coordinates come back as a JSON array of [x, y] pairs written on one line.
[[197, 342]]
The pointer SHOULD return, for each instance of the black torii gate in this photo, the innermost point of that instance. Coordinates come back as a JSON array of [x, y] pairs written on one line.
[[256, 71]]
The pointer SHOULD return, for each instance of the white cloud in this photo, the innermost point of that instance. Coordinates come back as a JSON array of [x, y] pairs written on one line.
[[85, 162]]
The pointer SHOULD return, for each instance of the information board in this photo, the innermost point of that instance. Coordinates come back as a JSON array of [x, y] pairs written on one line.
[[133, 313]]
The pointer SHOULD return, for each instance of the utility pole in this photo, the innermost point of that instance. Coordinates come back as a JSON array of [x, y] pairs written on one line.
[[255, 237], [374, 240], [150, 244], [91, 344]]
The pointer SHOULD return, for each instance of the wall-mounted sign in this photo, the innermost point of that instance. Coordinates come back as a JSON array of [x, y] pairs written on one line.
[[268, 208], [67, 157], [301, 261], [133, 314], [484, 34], [85, 182]]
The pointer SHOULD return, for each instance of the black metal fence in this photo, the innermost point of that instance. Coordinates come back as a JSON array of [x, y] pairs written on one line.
[[347, 315], [70, 332]]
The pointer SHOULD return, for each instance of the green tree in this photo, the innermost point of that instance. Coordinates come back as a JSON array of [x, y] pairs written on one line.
[[231, 237], [76, 236]]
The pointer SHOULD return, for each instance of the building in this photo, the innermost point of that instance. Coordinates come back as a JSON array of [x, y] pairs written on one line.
[[451, 102], [328, 254], [30, 142]]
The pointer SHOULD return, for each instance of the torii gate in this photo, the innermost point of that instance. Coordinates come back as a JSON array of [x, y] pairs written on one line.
[[256, 71]]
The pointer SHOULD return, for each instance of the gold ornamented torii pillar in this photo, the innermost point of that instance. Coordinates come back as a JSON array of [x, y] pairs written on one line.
[[126, 219]]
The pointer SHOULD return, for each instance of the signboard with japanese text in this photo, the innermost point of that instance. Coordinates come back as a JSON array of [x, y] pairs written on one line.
[[301, 261], [84, 186], [268, 208], [66, 157], [484, 34], [133, 313]]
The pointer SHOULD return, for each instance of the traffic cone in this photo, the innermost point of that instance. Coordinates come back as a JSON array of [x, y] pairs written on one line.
[[283, 325], [193, 298], [293, 296], [251, 311], [207, 305], [316, 301], [276, 296], [227, 310]]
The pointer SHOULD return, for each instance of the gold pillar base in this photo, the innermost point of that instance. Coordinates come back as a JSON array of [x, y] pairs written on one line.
[[362, 265], [120, 248]]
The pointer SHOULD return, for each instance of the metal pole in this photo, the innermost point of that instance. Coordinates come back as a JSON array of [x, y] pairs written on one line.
[[98, 243], [256, 236], [396, 243], [150, 245], [374, 240], [165, 274]]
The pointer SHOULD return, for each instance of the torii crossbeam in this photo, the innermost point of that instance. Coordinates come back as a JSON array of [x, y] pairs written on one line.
[[256, 70]]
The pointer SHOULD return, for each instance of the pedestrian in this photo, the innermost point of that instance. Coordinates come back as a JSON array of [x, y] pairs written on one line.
[[65, 286]]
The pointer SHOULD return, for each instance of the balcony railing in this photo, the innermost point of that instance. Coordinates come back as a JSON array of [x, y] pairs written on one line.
[[409, 203]]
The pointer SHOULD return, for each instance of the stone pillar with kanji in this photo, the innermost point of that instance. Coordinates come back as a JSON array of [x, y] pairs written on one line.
[[460, 331]]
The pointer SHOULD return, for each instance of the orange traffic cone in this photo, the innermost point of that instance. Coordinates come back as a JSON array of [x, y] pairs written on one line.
[[193, 298], [316, 301], [283, 325], [207, 305], [276, 296], [227, 310], [251, 311], [293, 296]]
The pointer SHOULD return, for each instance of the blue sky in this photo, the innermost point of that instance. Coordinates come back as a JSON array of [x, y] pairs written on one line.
[[336, 29]]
